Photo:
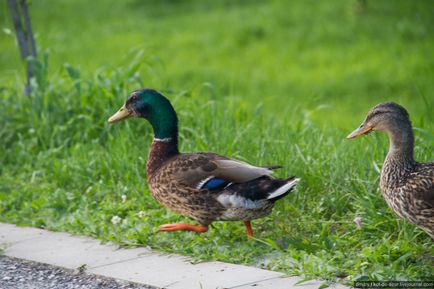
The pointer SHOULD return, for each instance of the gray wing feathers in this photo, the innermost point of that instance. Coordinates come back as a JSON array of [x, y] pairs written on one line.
[[195, 169], [238, 172]]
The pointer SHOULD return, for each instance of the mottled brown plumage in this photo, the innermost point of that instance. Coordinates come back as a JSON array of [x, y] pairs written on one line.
[[203, 186], [406, 185]]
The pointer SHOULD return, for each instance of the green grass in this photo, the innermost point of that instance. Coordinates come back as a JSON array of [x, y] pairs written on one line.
[[263, 81]]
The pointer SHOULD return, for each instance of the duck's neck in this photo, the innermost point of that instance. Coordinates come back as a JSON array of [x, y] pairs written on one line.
[[165, 145], [161, 151], [399, 159]]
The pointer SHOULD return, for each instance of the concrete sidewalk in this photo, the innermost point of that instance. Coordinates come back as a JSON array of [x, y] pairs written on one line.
[[139, 264]]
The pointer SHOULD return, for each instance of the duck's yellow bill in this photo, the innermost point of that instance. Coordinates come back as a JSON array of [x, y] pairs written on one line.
[[121, 114], [359, 131]]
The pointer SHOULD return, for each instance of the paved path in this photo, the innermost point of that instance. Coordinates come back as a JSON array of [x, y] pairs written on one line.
[[18, 273], [139, 265]]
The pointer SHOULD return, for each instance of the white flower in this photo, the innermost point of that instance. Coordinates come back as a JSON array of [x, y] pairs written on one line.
[[116, 220], [141, 214], [358, 222], [124, 198]]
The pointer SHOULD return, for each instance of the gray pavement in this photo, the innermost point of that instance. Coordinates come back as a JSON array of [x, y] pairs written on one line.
[[138, 265]]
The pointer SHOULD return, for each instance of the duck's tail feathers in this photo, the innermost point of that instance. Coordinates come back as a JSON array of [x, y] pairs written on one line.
[[284, 189]]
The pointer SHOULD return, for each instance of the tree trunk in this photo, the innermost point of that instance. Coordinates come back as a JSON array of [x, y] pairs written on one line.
[[25, 39]]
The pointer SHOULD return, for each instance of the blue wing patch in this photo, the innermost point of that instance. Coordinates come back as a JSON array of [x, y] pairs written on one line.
[[214, 183]]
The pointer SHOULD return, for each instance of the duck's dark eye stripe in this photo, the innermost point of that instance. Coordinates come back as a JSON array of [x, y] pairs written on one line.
[[375, 113]]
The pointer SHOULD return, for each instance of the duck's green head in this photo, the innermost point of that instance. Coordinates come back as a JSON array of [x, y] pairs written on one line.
[[153, 106]]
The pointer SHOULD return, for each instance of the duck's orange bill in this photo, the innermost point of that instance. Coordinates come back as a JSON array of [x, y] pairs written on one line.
[[359, 131]]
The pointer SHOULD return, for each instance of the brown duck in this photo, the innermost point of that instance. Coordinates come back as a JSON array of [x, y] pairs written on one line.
[[406, 185], [203, 186]]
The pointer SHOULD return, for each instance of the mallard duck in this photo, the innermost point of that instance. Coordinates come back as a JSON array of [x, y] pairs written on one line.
[[203, 186], [406, 185]]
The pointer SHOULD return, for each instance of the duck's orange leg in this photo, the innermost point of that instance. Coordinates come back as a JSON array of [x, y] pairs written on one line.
[[249, 230], [183, 227]]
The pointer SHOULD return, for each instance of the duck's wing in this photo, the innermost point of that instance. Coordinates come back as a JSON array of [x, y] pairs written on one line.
[[212, 171], [421, 183]]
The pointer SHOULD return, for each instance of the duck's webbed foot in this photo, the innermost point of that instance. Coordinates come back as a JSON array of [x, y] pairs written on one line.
[[183, 227]]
